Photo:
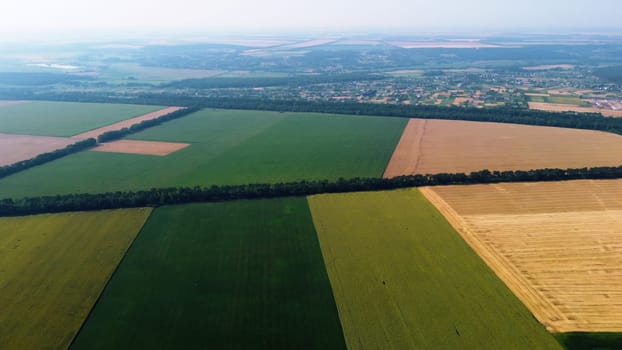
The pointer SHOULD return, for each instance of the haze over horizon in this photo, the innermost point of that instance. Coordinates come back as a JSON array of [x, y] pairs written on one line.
[[38, 17]]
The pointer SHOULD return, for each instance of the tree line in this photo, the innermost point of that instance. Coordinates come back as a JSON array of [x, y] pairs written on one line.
[[46, 157], [575, 120], [118, 134], [180, 195]]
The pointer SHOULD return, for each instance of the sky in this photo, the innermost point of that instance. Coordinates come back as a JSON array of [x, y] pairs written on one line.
[[41, 16]]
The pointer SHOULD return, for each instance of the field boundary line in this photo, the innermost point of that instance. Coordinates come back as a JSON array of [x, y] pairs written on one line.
[[542, 309], [94, 133], [114, 271]]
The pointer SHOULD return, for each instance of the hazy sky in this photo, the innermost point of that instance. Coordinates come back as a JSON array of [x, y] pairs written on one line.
[[265, 15]]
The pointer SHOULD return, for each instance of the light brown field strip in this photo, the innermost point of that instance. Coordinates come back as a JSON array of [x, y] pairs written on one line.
[[558, 107], [558, 245], [550, 66], [141, 147], [15, 148], [441, 44], [11, 103], [452, 146], [406, 157], [126, 123]]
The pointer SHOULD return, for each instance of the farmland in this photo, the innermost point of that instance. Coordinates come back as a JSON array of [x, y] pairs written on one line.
[[53, 269], [557, 99], [437, 146], [236, 275], [141, 147], [64, 119], [127, 123], [557, 107], [226, 147], [556, 245], [10, 103], [404, 279], [15, 148]]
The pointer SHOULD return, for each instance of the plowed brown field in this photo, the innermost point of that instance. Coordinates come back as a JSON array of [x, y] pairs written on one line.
[[15, 148], [152, 148], [451, 146], [558, 107], [126, 123], [557, 245], [11, 103]]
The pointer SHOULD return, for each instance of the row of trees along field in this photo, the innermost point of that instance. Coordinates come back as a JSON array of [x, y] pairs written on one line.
[[46, 157], [165, 196], [588, 121], [117, 134], [89, 143]]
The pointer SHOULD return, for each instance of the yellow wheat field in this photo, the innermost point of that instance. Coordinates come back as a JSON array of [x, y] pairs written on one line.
[[52, 270], [557, 245]]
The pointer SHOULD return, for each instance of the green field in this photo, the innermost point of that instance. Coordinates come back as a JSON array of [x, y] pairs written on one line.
[[234, 275], [52, 270], [65, 118], [591, 341], [403, 278], [227, 147], [566, 100]]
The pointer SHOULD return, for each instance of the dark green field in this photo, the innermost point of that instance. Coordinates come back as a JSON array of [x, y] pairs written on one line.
[[590, 341], [227, 147], [65, 118], [235, 275]]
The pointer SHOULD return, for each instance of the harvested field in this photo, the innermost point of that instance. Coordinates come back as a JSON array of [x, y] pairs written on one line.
[[460, 100], [451, 146], [441, 44], [52, 270], [15, 148], [126, 123], [404, 279], [557, 245], [310, 43], [359, 42], [558, 107], [152, 148], [550, 66], [11, 103]]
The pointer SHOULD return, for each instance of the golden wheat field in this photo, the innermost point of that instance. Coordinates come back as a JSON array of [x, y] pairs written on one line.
[[557, 245]]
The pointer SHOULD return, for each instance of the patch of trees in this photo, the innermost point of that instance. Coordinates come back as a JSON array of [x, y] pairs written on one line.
[[118, 134], [180, 195], [46, 157], [250, 82]]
